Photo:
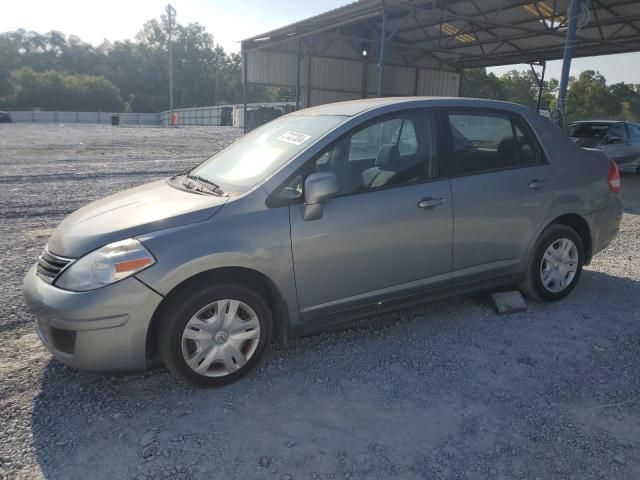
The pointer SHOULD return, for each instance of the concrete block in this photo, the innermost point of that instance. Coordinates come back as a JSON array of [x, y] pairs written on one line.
[[509, 302]]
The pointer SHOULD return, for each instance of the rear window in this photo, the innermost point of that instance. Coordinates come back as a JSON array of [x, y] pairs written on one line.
[[596, 131]]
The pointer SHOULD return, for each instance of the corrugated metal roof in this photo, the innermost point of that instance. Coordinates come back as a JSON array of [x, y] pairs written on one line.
[[464, 33]]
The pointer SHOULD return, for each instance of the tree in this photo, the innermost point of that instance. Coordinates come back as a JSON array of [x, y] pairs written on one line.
[[588, 98], [520, 87], [477, 83], [629, 98], [549, 98], [204, 73], [51, 90]]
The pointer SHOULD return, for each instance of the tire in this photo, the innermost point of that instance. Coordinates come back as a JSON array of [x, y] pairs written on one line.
[[549, 276], [196, 328]]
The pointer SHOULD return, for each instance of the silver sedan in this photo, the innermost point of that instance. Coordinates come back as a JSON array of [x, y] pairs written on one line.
[[316, 218], [619, 140]]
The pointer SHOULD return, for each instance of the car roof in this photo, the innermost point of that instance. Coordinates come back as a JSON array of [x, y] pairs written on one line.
[[354, 107]]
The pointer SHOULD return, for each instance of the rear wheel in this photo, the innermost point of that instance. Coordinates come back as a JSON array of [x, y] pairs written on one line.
[[556, 264], [215, 336]]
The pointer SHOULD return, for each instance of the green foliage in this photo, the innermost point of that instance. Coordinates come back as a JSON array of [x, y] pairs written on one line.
[[520, 87], [204, 74], [629, 97], [477, 83], [588, 97], [51, 90]]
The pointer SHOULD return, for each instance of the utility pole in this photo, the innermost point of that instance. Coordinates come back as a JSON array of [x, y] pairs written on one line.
[[171, 15]]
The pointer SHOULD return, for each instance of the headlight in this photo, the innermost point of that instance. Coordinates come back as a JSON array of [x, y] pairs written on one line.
[[106, 265]]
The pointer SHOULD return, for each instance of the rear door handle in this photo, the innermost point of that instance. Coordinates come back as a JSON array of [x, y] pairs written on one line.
[[538, 184], [430, 203]]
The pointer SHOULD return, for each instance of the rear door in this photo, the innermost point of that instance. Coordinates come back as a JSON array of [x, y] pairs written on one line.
[[502, 191]]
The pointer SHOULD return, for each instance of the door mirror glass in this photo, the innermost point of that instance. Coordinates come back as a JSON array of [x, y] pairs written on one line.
[[319, 187]]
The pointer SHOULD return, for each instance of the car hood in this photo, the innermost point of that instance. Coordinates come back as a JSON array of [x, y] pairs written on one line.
[[147, 208]]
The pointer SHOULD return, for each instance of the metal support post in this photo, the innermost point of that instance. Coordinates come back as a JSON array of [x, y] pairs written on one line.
[[383, 41], [566, 61]]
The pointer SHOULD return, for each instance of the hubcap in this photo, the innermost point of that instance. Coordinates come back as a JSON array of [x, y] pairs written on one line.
[[559, 265], [221, 338]]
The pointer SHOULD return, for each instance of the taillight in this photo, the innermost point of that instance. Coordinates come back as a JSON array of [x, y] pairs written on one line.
[[613, 179]]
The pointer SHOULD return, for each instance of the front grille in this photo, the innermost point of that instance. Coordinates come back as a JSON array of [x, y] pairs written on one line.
[[50, 265]]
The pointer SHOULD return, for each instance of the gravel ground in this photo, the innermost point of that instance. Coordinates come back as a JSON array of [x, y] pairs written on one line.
[[448, 390]]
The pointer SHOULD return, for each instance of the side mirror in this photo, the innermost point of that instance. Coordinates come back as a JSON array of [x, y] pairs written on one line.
[[317, 188]]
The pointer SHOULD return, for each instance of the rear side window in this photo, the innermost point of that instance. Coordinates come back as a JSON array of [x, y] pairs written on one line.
[[634, 132], [528, 148], [484, 141]]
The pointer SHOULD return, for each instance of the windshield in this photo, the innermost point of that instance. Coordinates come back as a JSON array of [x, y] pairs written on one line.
[[595, 131], [259, 154]]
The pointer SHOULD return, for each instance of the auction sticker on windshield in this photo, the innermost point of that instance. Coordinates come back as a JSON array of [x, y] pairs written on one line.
[[293, 137]]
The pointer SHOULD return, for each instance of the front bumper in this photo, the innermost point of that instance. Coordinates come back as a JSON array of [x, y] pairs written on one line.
[[100, 330]]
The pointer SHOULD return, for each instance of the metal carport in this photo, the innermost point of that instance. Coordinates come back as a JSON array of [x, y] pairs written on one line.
[[420, 47]]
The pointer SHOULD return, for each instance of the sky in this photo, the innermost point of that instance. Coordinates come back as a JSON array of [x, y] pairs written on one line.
[[229, 21]]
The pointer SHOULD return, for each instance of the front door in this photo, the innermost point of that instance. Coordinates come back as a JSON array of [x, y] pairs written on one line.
[[388, 231]]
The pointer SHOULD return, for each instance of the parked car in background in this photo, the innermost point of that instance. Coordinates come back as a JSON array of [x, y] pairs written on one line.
[[316, 218], [619, 140], [5, 117]]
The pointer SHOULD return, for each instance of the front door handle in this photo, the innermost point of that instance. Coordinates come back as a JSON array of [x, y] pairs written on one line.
[[430, 203], [538, 184]]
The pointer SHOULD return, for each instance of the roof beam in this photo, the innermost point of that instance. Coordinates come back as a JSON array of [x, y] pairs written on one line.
[[551, 53], [404, 45], [489, 24], [260, 45], [611, 11], [532, 31]]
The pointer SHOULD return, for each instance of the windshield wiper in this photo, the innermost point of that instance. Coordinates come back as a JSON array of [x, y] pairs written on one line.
[[208, 184]]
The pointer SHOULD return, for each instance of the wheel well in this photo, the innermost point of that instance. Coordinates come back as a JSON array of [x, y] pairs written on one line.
[[580, 225], [243, 276]]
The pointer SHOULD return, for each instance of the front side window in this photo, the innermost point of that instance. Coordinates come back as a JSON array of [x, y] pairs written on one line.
[[485, 141], [366, 143], [395, 150], [618, 133]]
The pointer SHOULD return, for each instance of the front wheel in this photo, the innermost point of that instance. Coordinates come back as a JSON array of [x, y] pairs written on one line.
[[215, 336], [556, 264]]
